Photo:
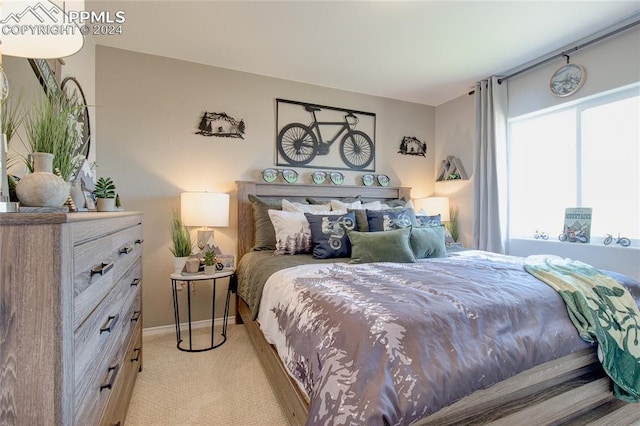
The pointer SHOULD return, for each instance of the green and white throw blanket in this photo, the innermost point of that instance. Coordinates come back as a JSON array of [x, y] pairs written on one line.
[[603, 311]]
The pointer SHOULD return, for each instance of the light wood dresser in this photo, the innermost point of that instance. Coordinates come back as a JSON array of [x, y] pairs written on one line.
[[70, 317]]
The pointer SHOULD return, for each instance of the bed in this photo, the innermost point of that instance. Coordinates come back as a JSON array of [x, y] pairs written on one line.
[[568, 389]]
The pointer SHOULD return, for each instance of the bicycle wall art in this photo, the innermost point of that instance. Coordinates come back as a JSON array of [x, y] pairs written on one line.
[[306, 134]]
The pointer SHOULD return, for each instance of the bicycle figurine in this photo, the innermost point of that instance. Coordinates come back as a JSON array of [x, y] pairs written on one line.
[[573, 236], [623, 241], [541, 235], [299, 143]]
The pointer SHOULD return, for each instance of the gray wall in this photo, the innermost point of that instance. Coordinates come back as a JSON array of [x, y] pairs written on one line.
[[149, 108]]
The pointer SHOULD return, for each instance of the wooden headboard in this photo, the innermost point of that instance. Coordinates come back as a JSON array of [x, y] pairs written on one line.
[[321, 192]]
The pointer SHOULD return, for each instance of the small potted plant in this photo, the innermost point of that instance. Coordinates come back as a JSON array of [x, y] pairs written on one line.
[[182, 243], [210, 263], [105, 193]]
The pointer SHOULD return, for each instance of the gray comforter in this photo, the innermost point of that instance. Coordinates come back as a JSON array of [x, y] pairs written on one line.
[[387, 343]]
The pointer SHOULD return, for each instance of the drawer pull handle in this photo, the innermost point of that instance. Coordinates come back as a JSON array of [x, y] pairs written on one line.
[[140, 241], [125, 250], [136, 316], [102, 268], [112, 372], [137, 358], [135, 282], [108, 325]]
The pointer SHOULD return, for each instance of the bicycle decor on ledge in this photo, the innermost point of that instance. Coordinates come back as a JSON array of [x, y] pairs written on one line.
[[307, 131]]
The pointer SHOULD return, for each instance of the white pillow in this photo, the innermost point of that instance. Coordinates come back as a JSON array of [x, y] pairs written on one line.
[[288, 206], [293, 234], [374, 205], [339, 205]]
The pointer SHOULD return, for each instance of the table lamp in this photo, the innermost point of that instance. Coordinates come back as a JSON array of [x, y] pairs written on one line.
[[205, 209], [433, 206], [62, 38]]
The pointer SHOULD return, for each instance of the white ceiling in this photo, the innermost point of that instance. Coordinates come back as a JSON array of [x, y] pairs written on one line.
[[427, 52]]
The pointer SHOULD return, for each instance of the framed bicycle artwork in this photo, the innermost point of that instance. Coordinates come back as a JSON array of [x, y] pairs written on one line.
[[310, 135]]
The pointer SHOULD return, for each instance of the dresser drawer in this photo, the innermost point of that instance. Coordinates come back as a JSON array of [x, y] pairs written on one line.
[[103, 381], [90, 406], [99, 265], [116, 410], [106, 328]]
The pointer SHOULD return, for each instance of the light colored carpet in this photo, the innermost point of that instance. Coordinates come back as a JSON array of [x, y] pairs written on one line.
[[224, 386]]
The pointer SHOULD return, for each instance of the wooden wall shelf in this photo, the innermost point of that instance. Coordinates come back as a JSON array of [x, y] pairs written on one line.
[[451, 169]]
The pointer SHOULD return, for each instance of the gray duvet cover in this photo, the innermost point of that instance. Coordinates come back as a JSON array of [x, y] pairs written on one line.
[[387, 343]]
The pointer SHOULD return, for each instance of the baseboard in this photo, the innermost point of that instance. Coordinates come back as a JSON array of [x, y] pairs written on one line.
[[171, 328]]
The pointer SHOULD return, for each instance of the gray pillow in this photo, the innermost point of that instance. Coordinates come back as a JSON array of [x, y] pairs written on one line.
[[428, 242], [382, 246], [264, 233], [312, 200]]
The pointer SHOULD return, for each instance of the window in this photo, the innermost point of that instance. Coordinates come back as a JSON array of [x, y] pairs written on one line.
[[583, 155]]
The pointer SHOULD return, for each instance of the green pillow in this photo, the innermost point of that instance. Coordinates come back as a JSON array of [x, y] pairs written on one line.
[[361, 219], [264, 233], [382, 246], [428, 242]]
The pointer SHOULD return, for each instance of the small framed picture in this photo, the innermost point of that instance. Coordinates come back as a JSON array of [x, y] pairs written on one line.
[[89, 201], [227, 260]]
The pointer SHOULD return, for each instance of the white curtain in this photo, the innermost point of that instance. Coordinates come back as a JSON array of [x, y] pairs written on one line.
[[489, 171]]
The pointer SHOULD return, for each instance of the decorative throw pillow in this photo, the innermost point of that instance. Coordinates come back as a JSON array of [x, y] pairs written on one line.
[[264, 234], [292, 232], [361, 219], [425, 220], [329, 234], [384, 246], [385, 220], [289, 206], [428, 242]]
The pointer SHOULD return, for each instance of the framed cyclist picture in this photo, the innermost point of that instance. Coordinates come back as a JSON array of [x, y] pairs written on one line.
[[320, 136]]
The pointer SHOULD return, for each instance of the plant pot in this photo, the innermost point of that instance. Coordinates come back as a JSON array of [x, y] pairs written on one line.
[[178, 264], [209, 269], [106, 204], [42, 188]]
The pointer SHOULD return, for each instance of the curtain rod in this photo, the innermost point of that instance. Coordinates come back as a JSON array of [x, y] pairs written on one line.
[[566, 52], [573, 49]]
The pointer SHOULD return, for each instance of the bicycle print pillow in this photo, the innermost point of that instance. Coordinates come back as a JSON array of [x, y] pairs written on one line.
[[386, 220], [329, 234]]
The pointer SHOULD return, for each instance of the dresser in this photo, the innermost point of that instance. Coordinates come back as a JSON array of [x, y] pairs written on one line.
[[70, 317]]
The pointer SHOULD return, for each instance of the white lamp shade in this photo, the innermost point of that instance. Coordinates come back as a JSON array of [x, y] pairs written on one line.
[[204, 209], [19, 20], [433, 206]]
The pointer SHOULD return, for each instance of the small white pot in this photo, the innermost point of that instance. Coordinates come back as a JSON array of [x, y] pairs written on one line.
[[106, 204], [209, 270]]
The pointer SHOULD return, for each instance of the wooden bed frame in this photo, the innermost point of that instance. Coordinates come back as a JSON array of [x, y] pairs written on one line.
[[570, 390]]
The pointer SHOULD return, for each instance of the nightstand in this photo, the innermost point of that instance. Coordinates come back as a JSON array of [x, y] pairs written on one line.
[[190, 279]]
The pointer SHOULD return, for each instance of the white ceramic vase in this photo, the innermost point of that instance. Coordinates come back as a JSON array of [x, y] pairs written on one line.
[[178, 264], [42, 188]]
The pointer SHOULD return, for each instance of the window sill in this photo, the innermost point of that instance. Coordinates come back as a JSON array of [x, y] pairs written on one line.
[[625, 260]]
